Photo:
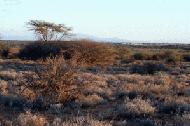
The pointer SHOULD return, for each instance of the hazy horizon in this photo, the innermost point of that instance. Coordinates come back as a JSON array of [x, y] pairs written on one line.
[[147, 20]]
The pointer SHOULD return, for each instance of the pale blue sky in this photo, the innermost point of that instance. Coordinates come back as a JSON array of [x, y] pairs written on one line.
[[149, 20]]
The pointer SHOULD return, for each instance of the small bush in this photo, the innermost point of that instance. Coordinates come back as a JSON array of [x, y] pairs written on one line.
[[124, 54], [171, 57], [2, 50], [168, 108], [56, 82], [139, 106], [29, 119], [88, 53], [35, 51], [173, 108], [140, 56], [90, 100], [4, 53], [80, 121], [2, 46], [148, 68], [132, 95], [145, 122], [10, 53], [3, 87], [157, 56], [186, 58], [183, 120]]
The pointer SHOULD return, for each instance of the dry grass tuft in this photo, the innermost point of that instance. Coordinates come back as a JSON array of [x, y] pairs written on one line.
[[90, 100], [8, 75], [29, 119], [29, 94], [139, 106], [3, 87], [80, 121]]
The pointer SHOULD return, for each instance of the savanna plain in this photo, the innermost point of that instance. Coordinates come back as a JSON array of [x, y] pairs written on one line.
[[85, 83]]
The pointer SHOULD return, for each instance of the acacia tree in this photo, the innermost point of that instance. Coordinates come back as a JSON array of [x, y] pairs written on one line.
[[47, 31]]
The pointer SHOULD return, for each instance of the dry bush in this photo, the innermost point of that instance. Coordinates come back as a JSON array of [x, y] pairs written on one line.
[[3, 87], [2, 48], [170, 108], [28, 94], [147, 85], [139, 106], [80, 121], [124, 54], [131, 109], [148, 68], [29, 119], [184, 120], [13, 52], [171, 57], [186, 57], [2, 45], [93, 53], [142, 56], [39, 50], [56, 82], [163, 79], [87, 53], [8, 75], [10, 52], [90, 100], [7, 50], [145, 122], [5, 122]]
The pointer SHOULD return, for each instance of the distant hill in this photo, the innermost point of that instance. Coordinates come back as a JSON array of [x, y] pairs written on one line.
[[95, 38]]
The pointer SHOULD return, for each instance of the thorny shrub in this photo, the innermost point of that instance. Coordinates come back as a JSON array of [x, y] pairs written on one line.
[[56, 82]]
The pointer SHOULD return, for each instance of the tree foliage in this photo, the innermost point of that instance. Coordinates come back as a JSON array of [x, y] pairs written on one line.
[[47, 31]]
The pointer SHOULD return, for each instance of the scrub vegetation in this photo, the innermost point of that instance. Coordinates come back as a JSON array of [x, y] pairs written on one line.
[[86, 83]]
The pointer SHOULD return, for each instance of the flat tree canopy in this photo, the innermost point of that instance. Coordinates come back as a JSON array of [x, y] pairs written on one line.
[[47, 31]]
